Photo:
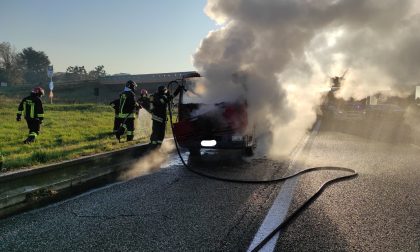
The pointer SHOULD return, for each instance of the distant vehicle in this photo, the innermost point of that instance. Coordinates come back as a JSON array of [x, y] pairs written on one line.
[[222, 125]]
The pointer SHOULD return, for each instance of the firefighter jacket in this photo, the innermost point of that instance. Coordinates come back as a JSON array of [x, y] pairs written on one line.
[[159, 104], [31, 108], [127, 105]]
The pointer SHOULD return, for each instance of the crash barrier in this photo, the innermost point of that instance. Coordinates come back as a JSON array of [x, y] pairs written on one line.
[[32, 188]]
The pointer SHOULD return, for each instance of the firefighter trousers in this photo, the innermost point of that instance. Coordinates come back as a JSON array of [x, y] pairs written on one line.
[[34, 126], [130, 128], [158, 133]]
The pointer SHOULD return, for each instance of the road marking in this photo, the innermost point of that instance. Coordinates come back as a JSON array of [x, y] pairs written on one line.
[[281, 204]]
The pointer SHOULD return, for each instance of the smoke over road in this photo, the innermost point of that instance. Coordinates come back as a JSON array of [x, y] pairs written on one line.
[[149, 163], [279, 55]]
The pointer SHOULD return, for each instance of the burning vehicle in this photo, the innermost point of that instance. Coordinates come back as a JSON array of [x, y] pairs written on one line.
[[222, 125]]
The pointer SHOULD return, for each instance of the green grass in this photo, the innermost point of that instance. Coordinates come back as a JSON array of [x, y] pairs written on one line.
[[68, 131]]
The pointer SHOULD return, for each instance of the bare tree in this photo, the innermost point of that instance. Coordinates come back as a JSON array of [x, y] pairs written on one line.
[[10, 70], [99, 71], [76, 73]]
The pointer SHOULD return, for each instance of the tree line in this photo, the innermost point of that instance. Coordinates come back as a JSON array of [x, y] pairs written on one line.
[[30, 66]]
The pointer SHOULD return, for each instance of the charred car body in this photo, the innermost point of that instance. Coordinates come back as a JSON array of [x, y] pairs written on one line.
[[222, 125]]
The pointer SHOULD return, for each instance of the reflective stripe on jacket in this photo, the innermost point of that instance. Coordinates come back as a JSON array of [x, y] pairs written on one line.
[[31, 107], [127, 105]]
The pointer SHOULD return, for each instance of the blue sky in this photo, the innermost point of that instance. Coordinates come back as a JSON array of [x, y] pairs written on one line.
[[130, 36]]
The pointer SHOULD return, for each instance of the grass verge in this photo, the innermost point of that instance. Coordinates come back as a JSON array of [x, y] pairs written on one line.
[[69, 131]]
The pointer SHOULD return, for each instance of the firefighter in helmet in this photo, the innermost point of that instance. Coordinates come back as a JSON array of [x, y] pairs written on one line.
[[126, 107], [144, 100], [31, 108], [159, 102]]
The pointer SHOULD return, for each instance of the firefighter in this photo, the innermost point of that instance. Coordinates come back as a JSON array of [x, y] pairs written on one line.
[[144, 100], [33, 112], [127, 107], [159, 103]]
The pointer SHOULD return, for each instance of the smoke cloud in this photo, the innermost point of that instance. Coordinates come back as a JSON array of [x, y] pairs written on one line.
[[280, 54], [149, 163]]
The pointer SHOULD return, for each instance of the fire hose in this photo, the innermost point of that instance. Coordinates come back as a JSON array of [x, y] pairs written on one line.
[[288, 220]]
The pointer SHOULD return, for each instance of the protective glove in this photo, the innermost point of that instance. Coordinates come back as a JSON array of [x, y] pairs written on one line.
[[18, 117]]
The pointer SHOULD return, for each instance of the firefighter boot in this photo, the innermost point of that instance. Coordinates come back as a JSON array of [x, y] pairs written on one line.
[[29, 140]]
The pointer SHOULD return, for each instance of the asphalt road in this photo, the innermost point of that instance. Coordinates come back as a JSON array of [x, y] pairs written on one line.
[[174, 209], [377, 211]]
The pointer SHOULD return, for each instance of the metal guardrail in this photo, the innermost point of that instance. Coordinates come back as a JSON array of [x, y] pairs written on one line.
[[27, 189]]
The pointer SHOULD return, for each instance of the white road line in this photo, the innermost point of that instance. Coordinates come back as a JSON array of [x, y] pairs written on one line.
[[281, 204]]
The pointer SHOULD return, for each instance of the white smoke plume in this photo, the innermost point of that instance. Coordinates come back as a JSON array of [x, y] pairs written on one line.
[[279, 55], [143, 124], [149, 163]]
